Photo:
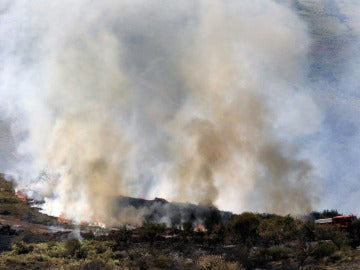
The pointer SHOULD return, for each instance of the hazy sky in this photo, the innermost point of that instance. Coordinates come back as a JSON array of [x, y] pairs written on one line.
[[335, 70]]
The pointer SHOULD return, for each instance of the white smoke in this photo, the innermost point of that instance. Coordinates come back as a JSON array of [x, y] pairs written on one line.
[[199, 101]]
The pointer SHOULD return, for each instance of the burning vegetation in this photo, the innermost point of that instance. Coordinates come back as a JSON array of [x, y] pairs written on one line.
[[21, 196], [241, 241], [62, 219]]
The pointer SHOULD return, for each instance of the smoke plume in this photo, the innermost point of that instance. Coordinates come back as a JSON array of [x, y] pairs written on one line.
[[198, 101]]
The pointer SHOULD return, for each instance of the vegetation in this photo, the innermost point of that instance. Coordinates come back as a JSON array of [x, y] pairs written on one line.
[[246, 241], [10, 204]]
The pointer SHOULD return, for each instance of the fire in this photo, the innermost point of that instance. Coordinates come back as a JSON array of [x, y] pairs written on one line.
[[64, 220], [21, 195], [200, 228], [84, 223], [97, 222]]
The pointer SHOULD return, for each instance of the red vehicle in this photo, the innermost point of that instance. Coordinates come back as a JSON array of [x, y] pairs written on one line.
[[341, 221]]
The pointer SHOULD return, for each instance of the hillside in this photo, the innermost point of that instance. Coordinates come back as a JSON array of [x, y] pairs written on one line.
[[31, 240], [173, 214], [13, 206]]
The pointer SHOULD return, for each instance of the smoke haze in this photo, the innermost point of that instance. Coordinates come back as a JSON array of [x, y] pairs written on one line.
[[193, 101]]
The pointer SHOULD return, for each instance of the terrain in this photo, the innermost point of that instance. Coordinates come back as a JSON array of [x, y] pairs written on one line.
[[32, 240]]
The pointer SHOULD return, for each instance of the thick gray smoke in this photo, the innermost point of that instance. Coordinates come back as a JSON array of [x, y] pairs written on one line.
[[198, 101]]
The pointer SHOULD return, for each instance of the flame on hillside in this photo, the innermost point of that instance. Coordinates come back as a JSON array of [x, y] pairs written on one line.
[[21, 195], [64, 220], [200, 228]]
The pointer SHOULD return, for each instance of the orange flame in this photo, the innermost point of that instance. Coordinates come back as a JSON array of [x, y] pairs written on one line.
[[21, 195], [84, 223], [64, 220], [200, 228]]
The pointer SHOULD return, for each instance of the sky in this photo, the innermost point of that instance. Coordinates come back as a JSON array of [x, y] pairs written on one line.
[[335, 70], [249, 105]]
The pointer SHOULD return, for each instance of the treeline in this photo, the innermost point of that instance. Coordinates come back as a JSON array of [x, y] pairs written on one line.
[[246, 241], [253, 240], [254, 229]]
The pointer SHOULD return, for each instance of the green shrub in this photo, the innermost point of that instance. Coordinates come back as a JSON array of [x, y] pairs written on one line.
[[277, 230], [322, 249], [149, 231], [22, 248], [333, 233], [339, 256], [244, 227], [215, 262], [280, 252], [96, 264], [163, 262], [72, 247]]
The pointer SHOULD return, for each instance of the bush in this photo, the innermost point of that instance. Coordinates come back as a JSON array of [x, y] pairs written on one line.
[[322, 249], [307, 232], [22, 248], [244, 228], [280, 252], [340, 256], [95, 264], [72, 247], [149, 231], [354, 232], [212, 219], [121, 238], [333, 233], [163, 262], [215, 262], [55, 249], [277, 230], [188, 227]]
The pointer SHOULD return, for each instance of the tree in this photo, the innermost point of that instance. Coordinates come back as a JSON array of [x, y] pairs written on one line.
[[244, 227], [188, 227], [212, 219]]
